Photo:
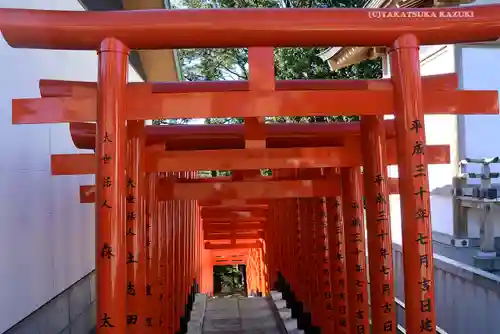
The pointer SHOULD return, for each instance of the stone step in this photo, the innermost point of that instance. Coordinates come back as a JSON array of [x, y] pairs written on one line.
[[195, 324], [280, 304], [276, 295], [285, 313]]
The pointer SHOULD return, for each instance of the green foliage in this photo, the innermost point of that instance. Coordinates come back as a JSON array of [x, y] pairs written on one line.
[[290, 63], [229, 276]]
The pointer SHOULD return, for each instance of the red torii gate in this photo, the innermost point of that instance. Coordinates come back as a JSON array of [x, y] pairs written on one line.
[[118, 108]]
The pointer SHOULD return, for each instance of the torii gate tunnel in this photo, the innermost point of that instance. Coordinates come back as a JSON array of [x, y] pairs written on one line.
[[160, 228]]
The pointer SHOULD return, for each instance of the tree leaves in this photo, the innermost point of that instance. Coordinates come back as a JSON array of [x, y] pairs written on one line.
[[290, 63]]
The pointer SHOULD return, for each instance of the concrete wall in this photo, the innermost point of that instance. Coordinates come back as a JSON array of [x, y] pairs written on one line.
[[47, 239], [73, 311]]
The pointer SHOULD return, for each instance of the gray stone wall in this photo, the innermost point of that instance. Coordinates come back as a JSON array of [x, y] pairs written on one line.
[[70, 312], [195, 325]]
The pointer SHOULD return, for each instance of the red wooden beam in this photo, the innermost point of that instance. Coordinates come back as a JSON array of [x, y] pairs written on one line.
[[231, 190], [256, 234], [87, 193], [209, 211], [257, 158], [249, 104], [231, 136], [245, 228], [232, 202], [314, 27], [214, 227], [231, 218], [228, 262], [247, 190], [84, 133], [213, 237], [60, 88], [229, 253], [210, 245], [231, 224], [234, 232], [76, 164], [230, 256]]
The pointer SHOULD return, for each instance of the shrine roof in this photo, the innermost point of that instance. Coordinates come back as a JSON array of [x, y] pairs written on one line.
[[157, 65], [339, 57]]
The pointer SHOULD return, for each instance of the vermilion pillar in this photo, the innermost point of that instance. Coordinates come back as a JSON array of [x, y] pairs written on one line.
[[276, 226], [169, 287], [304, 280], [378, 224], [194, 237], [413, 187], [160, 282], [177, 280], [186, 259], [336, 247], [209, 272], [111, 248], [184, 229], [352, 207], [323, 263], [192, 241], [317, 305], [295, 278], [149, 306], [250, 274], [293, 241], [136, 230], [152, 268], [199, 242], [260, 278], [270, 244]]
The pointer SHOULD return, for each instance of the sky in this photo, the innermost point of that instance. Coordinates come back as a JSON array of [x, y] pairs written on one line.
[[197, 121]]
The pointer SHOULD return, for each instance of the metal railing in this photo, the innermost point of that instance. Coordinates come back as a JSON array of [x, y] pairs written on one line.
[[467, 299], [402, 330], [399, 303]]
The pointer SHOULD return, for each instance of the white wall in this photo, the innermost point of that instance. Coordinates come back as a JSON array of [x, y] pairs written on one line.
[[47, 236], [480, 71], [439, 129]]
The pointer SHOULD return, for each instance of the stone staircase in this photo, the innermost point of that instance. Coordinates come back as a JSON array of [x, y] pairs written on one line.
[[289, 324]]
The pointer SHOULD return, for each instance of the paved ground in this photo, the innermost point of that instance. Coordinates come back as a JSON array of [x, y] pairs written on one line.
[[239, 315]]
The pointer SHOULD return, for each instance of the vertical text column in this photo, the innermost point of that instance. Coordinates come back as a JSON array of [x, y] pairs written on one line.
[[170, 287], [357, 290], [160, 287], [378, 224], [413, 187], [324, 261], [111, 248], [136, 230], [336, 247], [152, 270]]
